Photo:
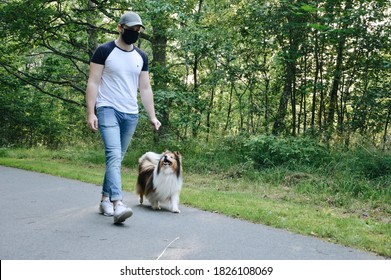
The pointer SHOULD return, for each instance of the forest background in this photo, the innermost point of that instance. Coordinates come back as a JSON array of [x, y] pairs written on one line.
[[293, 95]]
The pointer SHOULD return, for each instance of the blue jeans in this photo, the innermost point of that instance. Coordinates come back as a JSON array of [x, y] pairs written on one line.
[[117, 130]]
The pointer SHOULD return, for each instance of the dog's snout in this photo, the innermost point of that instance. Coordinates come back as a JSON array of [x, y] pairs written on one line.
[[166, 160]]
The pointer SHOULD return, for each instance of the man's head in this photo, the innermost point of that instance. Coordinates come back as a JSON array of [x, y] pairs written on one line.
[[129, 27]]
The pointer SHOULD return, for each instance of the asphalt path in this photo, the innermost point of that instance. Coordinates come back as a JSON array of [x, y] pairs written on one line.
[[44, 217]]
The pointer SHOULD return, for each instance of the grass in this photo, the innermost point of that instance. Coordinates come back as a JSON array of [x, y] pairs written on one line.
[[302, 201]]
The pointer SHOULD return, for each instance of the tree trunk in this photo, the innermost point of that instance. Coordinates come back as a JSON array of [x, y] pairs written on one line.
[[337, 73], [159, 66], [279, 124], [317, 70], [92, 34]]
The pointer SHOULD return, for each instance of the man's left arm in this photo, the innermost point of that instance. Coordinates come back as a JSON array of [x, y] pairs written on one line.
[[146, 95]]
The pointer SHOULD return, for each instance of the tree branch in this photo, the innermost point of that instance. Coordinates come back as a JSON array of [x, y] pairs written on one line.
[[19, 75]]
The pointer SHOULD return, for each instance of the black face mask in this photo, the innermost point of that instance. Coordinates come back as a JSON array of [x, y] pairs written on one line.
[[130, 36]]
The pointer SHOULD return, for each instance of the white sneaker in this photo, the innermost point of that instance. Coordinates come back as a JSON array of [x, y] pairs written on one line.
[[121, 213], [106, 207]]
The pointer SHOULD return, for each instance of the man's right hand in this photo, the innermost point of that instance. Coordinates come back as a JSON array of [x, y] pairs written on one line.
[[92, 122]]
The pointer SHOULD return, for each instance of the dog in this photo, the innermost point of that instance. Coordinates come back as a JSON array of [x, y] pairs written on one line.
[[160, 179]]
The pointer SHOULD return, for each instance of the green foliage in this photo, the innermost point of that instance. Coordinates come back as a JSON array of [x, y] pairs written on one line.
[[30, 119], [369, 162], [218, 67], [269, 151]]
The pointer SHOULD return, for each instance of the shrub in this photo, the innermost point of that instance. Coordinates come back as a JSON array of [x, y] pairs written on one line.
[[370, 163], [268, 151]]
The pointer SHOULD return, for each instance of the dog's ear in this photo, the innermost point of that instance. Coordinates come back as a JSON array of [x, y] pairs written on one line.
[[178, 158]]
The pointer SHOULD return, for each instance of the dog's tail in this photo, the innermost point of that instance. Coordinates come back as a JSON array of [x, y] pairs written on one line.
[[150, 157], [147, 164]]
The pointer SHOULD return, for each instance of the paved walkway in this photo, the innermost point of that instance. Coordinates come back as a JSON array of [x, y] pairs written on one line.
[[46, 217]]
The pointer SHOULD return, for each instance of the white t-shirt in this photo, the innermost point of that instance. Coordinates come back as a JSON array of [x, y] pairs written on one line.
[[119, 84]]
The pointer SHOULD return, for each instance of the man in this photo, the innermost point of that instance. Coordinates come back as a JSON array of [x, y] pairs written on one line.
[[117, 70]]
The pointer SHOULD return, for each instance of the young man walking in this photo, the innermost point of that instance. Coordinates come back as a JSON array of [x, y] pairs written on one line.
[[118, 70]]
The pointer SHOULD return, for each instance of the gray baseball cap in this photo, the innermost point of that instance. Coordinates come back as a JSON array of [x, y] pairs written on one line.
[[131, 19]]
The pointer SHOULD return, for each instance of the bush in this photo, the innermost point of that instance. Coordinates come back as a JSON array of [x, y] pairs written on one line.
[[369, 162], [269, 151]]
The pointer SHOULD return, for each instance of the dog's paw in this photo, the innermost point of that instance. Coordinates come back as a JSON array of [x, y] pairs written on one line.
[[156, 206], [140, 200], [176, 210]]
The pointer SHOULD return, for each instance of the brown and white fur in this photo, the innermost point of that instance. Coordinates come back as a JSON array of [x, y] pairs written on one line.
[[160, 179]]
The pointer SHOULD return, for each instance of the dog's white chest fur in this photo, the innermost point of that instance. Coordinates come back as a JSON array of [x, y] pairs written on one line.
[[167, 184]]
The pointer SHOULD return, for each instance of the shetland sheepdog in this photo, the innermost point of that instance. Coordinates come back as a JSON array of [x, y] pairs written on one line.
[[160, 179]]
